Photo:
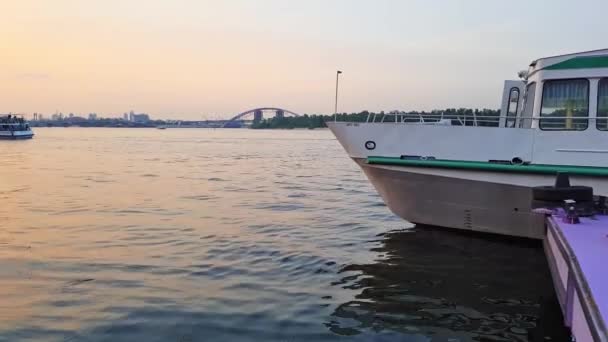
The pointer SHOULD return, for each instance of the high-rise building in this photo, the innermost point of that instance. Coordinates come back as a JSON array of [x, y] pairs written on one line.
[[140, 118], [258, 115]]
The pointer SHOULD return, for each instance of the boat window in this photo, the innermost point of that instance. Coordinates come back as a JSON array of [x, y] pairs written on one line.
[[565, 105], [512, 107], [602, 105], [526, 121]]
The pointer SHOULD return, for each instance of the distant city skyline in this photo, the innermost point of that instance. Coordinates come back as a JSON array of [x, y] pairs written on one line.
[[203, 59], [126, 116]]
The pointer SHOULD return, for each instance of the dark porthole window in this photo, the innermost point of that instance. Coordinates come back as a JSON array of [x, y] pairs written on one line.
[[565, 105]]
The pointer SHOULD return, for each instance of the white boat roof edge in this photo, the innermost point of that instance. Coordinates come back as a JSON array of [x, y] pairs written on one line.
[[552, 61]]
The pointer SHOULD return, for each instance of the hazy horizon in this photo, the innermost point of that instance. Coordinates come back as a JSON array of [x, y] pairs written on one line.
[[202, 59]]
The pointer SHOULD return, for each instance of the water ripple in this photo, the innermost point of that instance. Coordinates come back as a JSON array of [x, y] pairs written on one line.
[[239, 235]]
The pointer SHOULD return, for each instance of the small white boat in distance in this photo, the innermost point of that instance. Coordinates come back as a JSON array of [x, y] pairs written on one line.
[[13, 126], [477, 172]]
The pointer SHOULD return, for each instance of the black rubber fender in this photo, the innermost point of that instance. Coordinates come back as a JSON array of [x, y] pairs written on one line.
[[549, 193]]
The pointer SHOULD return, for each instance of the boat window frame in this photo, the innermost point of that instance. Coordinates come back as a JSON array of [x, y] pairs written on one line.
[[542, 101], [523, 118], [597, 113], [508, 112]]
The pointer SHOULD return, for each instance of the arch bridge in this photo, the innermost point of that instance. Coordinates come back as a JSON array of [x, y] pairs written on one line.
[[258, 113]]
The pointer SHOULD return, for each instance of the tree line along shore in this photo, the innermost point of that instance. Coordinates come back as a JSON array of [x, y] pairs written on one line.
[[460, 116]]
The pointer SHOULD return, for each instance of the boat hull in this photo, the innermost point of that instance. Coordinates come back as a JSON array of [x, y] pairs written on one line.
[[443, 199], [16, 135]]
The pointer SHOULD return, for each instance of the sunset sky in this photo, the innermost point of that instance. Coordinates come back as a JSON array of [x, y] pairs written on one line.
[[196, 59]]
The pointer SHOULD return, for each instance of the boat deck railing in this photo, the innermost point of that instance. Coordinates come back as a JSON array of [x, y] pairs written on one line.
[[450, 119], [9, 125]]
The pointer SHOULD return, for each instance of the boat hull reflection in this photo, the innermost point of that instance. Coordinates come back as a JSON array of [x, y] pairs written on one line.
[[452, 286]]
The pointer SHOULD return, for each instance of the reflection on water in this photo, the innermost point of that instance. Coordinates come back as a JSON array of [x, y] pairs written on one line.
[[237, 235], [453, 286]]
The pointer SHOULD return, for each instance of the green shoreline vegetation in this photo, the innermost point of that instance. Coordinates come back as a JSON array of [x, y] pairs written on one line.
[[461, 116]]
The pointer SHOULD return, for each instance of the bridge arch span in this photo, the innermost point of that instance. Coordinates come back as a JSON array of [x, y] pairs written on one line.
[[263, 109]]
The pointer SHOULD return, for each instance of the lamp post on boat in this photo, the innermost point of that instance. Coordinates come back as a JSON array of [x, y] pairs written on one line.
[[336, 103]]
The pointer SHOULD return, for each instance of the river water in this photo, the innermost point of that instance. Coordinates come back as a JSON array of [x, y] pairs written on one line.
[[240, 235]]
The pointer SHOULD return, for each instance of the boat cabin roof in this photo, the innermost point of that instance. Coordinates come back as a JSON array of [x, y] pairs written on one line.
[[583, 64]]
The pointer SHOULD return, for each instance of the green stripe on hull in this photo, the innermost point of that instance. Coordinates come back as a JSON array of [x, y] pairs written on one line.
[[493, 167], [581, 63]]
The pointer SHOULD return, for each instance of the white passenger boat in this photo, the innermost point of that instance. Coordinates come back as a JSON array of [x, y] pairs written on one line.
[[477, 173], [14, 127]]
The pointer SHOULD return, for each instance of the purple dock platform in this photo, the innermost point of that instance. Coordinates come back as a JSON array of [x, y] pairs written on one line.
[[578, 258]]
